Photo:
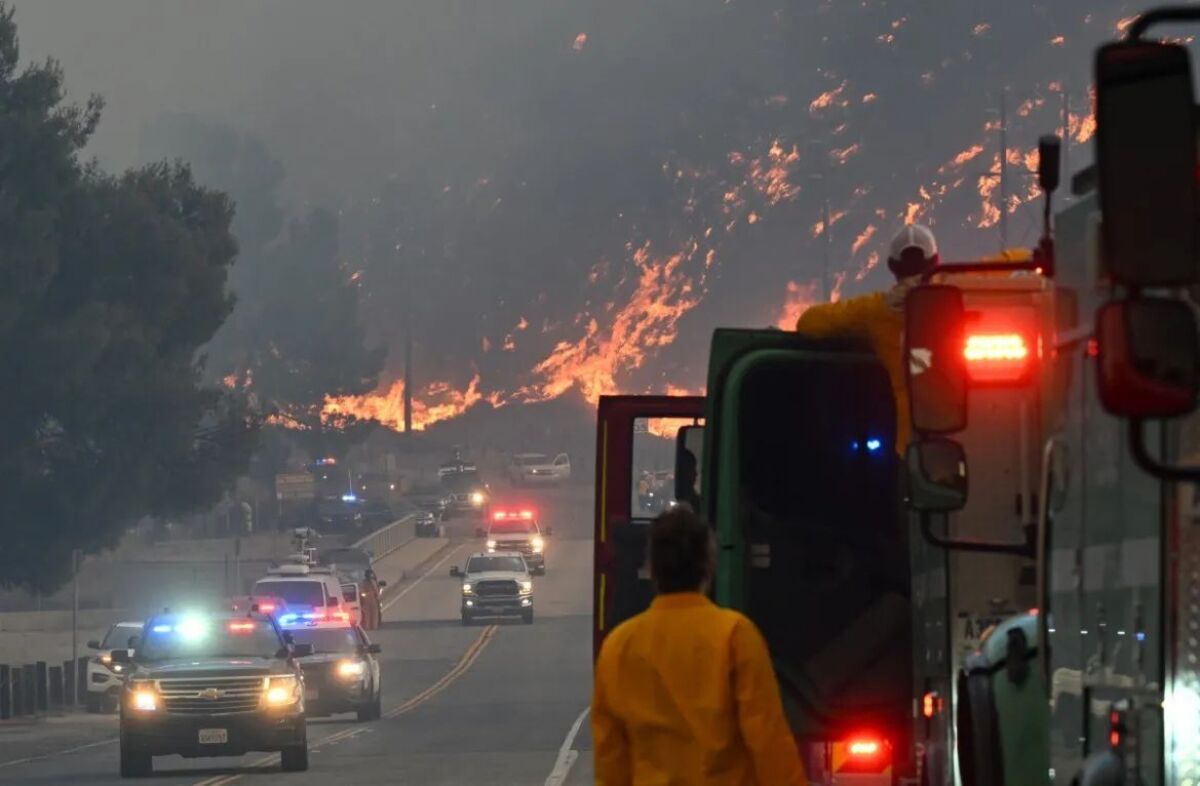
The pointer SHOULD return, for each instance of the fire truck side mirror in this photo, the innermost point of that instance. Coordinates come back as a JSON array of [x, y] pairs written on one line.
[[935, 365], [937, 475], [1146, 160], [689, 447], [1049, 156], [1148, 358]]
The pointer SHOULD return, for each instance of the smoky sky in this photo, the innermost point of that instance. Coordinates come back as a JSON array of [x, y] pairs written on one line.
[[546, 139]]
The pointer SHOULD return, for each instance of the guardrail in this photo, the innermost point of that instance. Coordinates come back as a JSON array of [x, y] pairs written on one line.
[[384, 541]]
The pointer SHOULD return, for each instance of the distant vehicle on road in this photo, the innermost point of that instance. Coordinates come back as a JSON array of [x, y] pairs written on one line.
[[432, 499], [527, 469], [496, 584], [312, 592], [518, 531], [467, 491], [221, 684], [105, 678], [342, 673]]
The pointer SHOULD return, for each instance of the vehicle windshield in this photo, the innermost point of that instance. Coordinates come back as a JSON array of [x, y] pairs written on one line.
[[208, 637], [118, 635], [462, 481], [532, 458], [295, 593], [327, 640], [519, 526], [496, 563]]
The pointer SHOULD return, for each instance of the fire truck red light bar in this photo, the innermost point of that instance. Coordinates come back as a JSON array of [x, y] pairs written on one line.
[[1004, 347], [864, 747]]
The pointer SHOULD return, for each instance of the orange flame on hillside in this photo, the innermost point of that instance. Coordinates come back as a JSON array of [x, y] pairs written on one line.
[[842, 155], [827, 99], [438, 401], [647, 321], [798, 299]]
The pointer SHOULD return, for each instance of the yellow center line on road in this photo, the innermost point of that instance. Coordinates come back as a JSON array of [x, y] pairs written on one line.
[[464, 664], [469, 657]]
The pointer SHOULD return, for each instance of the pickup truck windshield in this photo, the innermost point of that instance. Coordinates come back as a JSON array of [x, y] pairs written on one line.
[[489, 564], [231, 637]]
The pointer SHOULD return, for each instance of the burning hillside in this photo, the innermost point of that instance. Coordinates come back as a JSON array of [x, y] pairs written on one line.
[[733, 204]]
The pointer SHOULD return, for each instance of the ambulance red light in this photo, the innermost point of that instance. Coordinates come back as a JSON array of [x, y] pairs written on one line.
[[527, 514], [500, 515], [266, 608]]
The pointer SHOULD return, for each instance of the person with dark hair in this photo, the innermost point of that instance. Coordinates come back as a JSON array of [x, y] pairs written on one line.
[[685, 692]]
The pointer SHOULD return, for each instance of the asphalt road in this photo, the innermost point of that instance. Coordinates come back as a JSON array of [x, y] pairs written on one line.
[[487, 704]]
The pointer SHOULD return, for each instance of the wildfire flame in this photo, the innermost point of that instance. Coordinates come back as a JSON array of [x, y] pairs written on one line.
[[827, 99], [798, 299], [647, 321], [863, 238], [438, 401]]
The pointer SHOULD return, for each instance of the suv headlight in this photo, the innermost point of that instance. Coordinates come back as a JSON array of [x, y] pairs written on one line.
[[468, 589], [491, 544], [143, 697], [281, 691], [526, 587], [351, 669]]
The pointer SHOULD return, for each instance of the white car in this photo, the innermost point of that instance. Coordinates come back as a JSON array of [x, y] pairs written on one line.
[[527, 469], [105, 678], [496, 585]]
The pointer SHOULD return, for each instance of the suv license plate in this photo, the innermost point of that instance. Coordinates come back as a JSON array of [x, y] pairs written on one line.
[[214, 736]]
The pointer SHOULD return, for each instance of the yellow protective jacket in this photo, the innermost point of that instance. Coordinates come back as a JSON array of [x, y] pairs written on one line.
[[877, 319], [686, 695]]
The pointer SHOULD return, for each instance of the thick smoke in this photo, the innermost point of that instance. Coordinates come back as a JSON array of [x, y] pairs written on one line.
[[504, 164]]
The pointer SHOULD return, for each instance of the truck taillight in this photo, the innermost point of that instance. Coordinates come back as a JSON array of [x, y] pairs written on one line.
[[997, 357]]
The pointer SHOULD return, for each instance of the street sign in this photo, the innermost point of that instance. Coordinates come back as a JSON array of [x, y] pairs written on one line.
[[295, 486]]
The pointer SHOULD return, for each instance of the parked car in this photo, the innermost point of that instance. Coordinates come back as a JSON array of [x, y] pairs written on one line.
[[527, 469]]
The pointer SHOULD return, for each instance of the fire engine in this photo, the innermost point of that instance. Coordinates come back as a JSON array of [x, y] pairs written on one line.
[[1028, 613]]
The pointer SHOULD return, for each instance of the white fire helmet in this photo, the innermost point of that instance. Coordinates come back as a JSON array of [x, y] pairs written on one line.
[[913, 251]]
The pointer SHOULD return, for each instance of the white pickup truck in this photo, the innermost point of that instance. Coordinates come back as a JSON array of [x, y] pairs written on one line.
[[527, 469]]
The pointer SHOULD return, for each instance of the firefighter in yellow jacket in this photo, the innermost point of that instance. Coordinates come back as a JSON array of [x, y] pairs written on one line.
[[878, 318]]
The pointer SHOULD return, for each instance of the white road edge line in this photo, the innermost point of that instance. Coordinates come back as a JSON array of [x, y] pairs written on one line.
[[566, 754], [422, 577], [51, 755]]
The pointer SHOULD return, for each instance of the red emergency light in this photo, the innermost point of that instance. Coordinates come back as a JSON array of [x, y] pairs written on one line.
[[997, 357], [505, 515], [241, 627], [266, 607], [864, 748]]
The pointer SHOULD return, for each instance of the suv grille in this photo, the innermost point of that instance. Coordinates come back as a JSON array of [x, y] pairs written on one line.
[[211, 695], [496, 589]]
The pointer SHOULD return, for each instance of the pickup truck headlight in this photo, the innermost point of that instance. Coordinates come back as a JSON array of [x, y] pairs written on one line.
[[477, 498], [491, 544], [281, 691], [538, 544], [526, 587], [468, 589]]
